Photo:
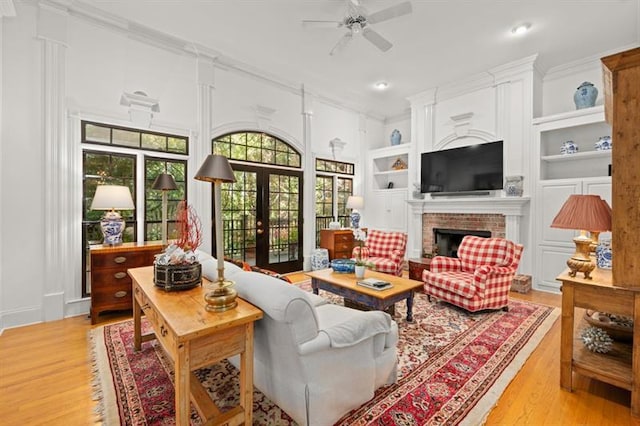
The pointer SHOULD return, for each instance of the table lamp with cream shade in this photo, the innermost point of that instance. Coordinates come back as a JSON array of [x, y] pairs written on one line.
[[355, 202], [583, 213], [164, 182], [216, 169], [111, 198]]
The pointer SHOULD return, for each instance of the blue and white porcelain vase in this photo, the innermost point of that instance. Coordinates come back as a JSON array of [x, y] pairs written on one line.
[[513, 186], [568, 147], [604, 255], [396, 137], [604, 143], [355, 219], [319, 259], [585, 96]]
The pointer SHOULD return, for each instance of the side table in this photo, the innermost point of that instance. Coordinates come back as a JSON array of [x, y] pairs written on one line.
[[416, 266], [621, 366]]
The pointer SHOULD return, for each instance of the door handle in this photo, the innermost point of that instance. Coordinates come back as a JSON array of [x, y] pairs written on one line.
[[260, 231], [259, 223]]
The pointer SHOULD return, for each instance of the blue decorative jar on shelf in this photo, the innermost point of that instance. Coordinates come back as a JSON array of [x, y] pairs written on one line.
[[585, 95], [568, 147], [604, 143], [396, 137]]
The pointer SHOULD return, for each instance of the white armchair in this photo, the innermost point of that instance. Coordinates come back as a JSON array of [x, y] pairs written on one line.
[[315, 360]]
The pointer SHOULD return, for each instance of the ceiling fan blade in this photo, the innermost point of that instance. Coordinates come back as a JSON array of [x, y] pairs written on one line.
[[390, 12], [307, 23], [375, 38], [341, 43]]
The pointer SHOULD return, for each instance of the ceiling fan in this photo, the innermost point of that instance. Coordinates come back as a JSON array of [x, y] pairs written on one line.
[[358, 21]]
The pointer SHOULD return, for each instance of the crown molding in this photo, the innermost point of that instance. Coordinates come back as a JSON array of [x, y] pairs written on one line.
[[84, 11], [584, 64]]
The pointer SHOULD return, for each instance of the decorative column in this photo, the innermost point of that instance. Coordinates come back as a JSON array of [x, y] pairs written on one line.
[[201, 146], [422, 106], [308, 205], [60, 234]]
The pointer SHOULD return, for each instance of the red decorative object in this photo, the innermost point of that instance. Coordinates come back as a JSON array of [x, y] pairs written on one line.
[[189, 227]]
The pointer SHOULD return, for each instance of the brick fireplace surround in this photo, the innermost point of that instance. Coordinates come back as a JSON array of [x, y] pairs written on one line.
[[494, 223], [502, 216]]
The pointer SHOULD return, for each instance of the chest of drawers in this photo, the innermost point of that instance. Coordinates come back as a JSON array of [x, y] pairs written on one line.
[[110, 283], [339, 242]]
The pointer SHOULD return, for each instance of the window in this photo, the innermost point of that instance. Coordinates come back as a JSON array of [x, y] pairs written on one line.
[[116, 156], [255, 147], [104, 134], [332, 191], [153, 198]]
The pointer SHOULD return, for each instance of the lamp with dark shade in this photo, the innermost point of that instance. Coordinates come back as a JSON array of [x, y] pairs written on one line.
[[583, 213], [112, 198], [164, 182], [216, 169]]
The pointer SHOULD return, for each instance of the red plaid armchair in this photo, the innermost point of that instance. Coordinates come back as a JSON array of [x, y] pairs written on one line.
[[385, 250], [480, 278]]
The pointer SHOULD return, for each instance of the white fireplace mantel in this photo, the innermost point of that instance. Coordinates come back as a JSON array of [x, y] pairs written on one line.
[[513, 208], [508, 206]]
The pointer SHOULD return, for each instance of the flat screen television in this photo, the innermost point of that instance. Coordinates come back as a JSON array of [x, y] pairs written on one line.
[[462, 170]]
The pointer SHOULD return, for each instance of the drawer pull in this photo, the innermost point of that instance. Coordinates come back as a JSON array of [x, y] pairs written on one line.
[[163, 331], [119, 275], [120, 259], [120, 294]]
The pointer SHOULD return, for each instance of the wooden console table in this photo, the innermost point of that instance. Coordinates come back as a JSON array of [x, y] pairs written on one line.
[[195, 338], [621, 366]]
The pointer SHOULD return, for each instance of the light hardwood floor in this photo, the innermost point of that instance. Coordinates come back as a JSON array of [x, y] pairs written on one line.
[[45, 379]]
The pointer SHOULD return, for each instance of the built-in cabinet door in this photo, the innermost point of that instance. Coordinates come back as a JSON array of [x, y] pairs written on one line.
[[388, 211], [556, 245]]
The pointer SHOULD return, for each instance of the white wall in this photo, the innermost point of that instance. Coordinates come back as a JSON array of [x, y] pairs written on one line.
[[102, 61]]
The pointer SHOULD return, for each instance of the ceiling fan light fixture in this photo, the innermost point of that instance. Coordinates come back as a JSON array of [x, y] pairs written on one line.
[[381, 85], [521, 29], [356, 27]]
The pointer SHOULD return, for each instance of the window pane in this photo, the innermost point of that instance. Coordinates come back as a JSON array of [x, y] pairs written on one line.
[[257, 147], [178, 145], [156, 142], [98, 134], [126, 138]]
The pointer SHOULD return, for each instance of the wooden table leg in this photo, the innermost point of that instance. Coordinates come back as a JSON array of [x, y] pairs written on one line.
[[182, 386], [410, 307], [137, 325], [566, 337], [314, 285], [246, 376]]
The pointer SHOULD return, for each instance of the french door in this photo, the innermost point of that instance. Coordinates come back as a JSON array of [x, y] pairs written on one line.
[[262, 217]]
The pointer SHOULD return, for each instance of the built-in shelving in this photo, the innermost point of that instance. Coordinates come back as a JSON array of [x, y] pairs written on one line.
[[385, 171]]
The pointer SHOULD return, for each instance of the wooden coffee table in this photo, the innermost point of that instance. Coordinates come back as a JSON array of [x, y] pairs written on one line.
[[345, 285]]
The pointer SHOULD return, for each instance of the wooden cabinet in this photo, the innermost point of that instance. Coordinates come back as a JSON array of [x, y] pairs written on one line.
[[619, 366], [110, 283], [339, 242]]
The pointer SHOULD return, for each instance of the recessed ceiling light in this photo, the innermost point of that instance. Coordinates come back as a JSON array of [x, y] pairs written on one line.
[[381, 85], [520, 29]]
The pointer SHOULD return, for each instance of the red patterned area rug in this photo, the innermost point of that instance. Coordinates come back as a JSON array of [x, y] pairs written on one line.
[[454, 365]]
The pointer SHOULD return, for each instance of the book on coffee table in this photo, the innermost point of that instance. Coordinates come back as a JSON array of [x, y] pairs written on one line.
[[374, 283]]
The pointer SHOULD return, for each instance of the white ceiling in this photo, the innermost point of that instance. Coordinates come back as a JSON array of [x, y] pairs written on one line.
[[440, 42]]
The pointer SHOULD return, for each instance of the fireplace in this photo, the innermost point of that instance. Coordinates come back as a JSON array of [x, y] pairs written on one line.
[[446, 241], [458, 225]]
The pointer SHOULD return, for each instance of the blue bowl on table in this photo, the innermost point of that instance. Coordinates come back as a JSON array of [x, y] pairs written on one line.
[[343, 266]]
